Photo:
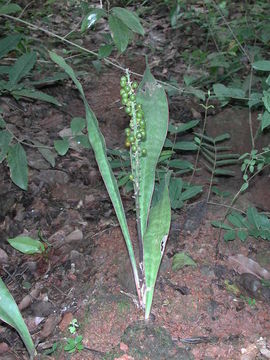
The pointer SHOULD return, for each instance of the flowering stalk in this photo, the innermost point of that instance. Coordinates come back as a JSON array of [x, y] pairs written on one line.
[[135, 134]]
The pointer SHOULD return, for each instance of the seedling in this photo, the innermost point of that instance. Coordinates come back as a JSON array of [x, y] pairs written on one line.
[[74, 344], [73, 326], [55, 346], [250, 301]]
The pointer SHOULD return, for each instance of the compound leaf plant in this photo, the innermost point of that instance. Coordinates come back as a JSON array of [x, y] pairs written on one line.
[[147, 107]]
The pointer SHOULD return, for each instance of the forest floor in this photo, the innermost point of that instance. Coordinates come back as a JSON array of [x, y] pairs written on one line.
[[207, 311]]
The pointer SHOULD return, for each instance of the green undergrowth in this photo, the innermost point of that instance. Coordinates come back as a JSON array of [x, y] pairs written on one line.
[[226, 66]]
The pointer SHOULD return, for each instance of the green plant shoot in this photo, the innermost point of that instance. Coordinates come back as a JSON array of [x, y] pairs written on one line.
[[10, 314], [148, 110]]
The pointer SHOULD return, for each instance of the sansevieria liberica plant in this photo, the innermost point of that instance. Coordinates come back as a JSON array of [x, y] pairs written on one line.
[[146, 104]]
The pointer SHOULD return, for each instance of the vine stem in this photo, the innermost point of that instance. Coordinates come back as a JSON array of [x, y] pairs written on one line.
[[249, 110], [212, 174], [203, 131]]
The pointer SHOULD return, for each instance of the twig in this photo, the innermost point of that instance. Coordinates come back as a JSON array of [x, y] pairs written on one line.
[[212, 173], [203, 130], [231, 30], [23, 10], [227, 206], [249, 110]]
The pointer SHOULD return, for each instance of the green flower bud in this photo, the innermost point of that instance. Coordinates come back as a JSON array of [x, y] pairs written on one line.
[[143, 134], [128, 110], [144, 152], [131, 138], [127, 88]]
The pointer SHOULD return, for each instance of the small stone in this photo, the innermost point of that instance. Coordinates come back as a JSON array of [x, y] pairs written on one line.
[[3, 257], [123, 347], [3, 348], [75, 235]]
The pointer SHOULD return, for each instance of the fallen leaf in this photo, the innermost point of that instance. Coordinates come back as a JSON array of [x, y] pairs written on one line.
[[67, 318], [49, 326], [180, 260], [27, 300], [243, 264]]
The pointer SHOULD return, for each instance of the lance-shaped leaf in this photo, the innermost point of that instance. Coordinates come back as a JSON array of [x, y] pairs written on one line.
[[27, 245], [34, 94], [154, 103], [17, 163], [10, 314], [22, 67], [98, 144], [9, 43], [155, 240]]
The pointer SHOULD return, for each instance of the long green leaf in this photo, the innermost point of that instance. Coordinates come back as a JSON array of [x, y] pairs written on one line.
[[191, 192], [154, 103], [22, 67], [34, 94], [5, 138], [155, 241], [9, 43], [10, 314], [27, 245], [17, 163], [262, 65], [181, 145], [175, 129], [98, 144], [224, 172]]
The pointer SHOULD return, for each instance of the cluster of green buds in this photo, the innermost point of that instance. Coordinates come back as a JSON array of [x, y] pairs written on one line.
[[135, 133]]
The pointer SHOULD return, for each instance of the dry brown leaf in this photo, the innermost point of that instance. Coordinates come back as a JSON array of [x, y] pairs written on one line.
[[243, 264], [49, 326], [27, 300]]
